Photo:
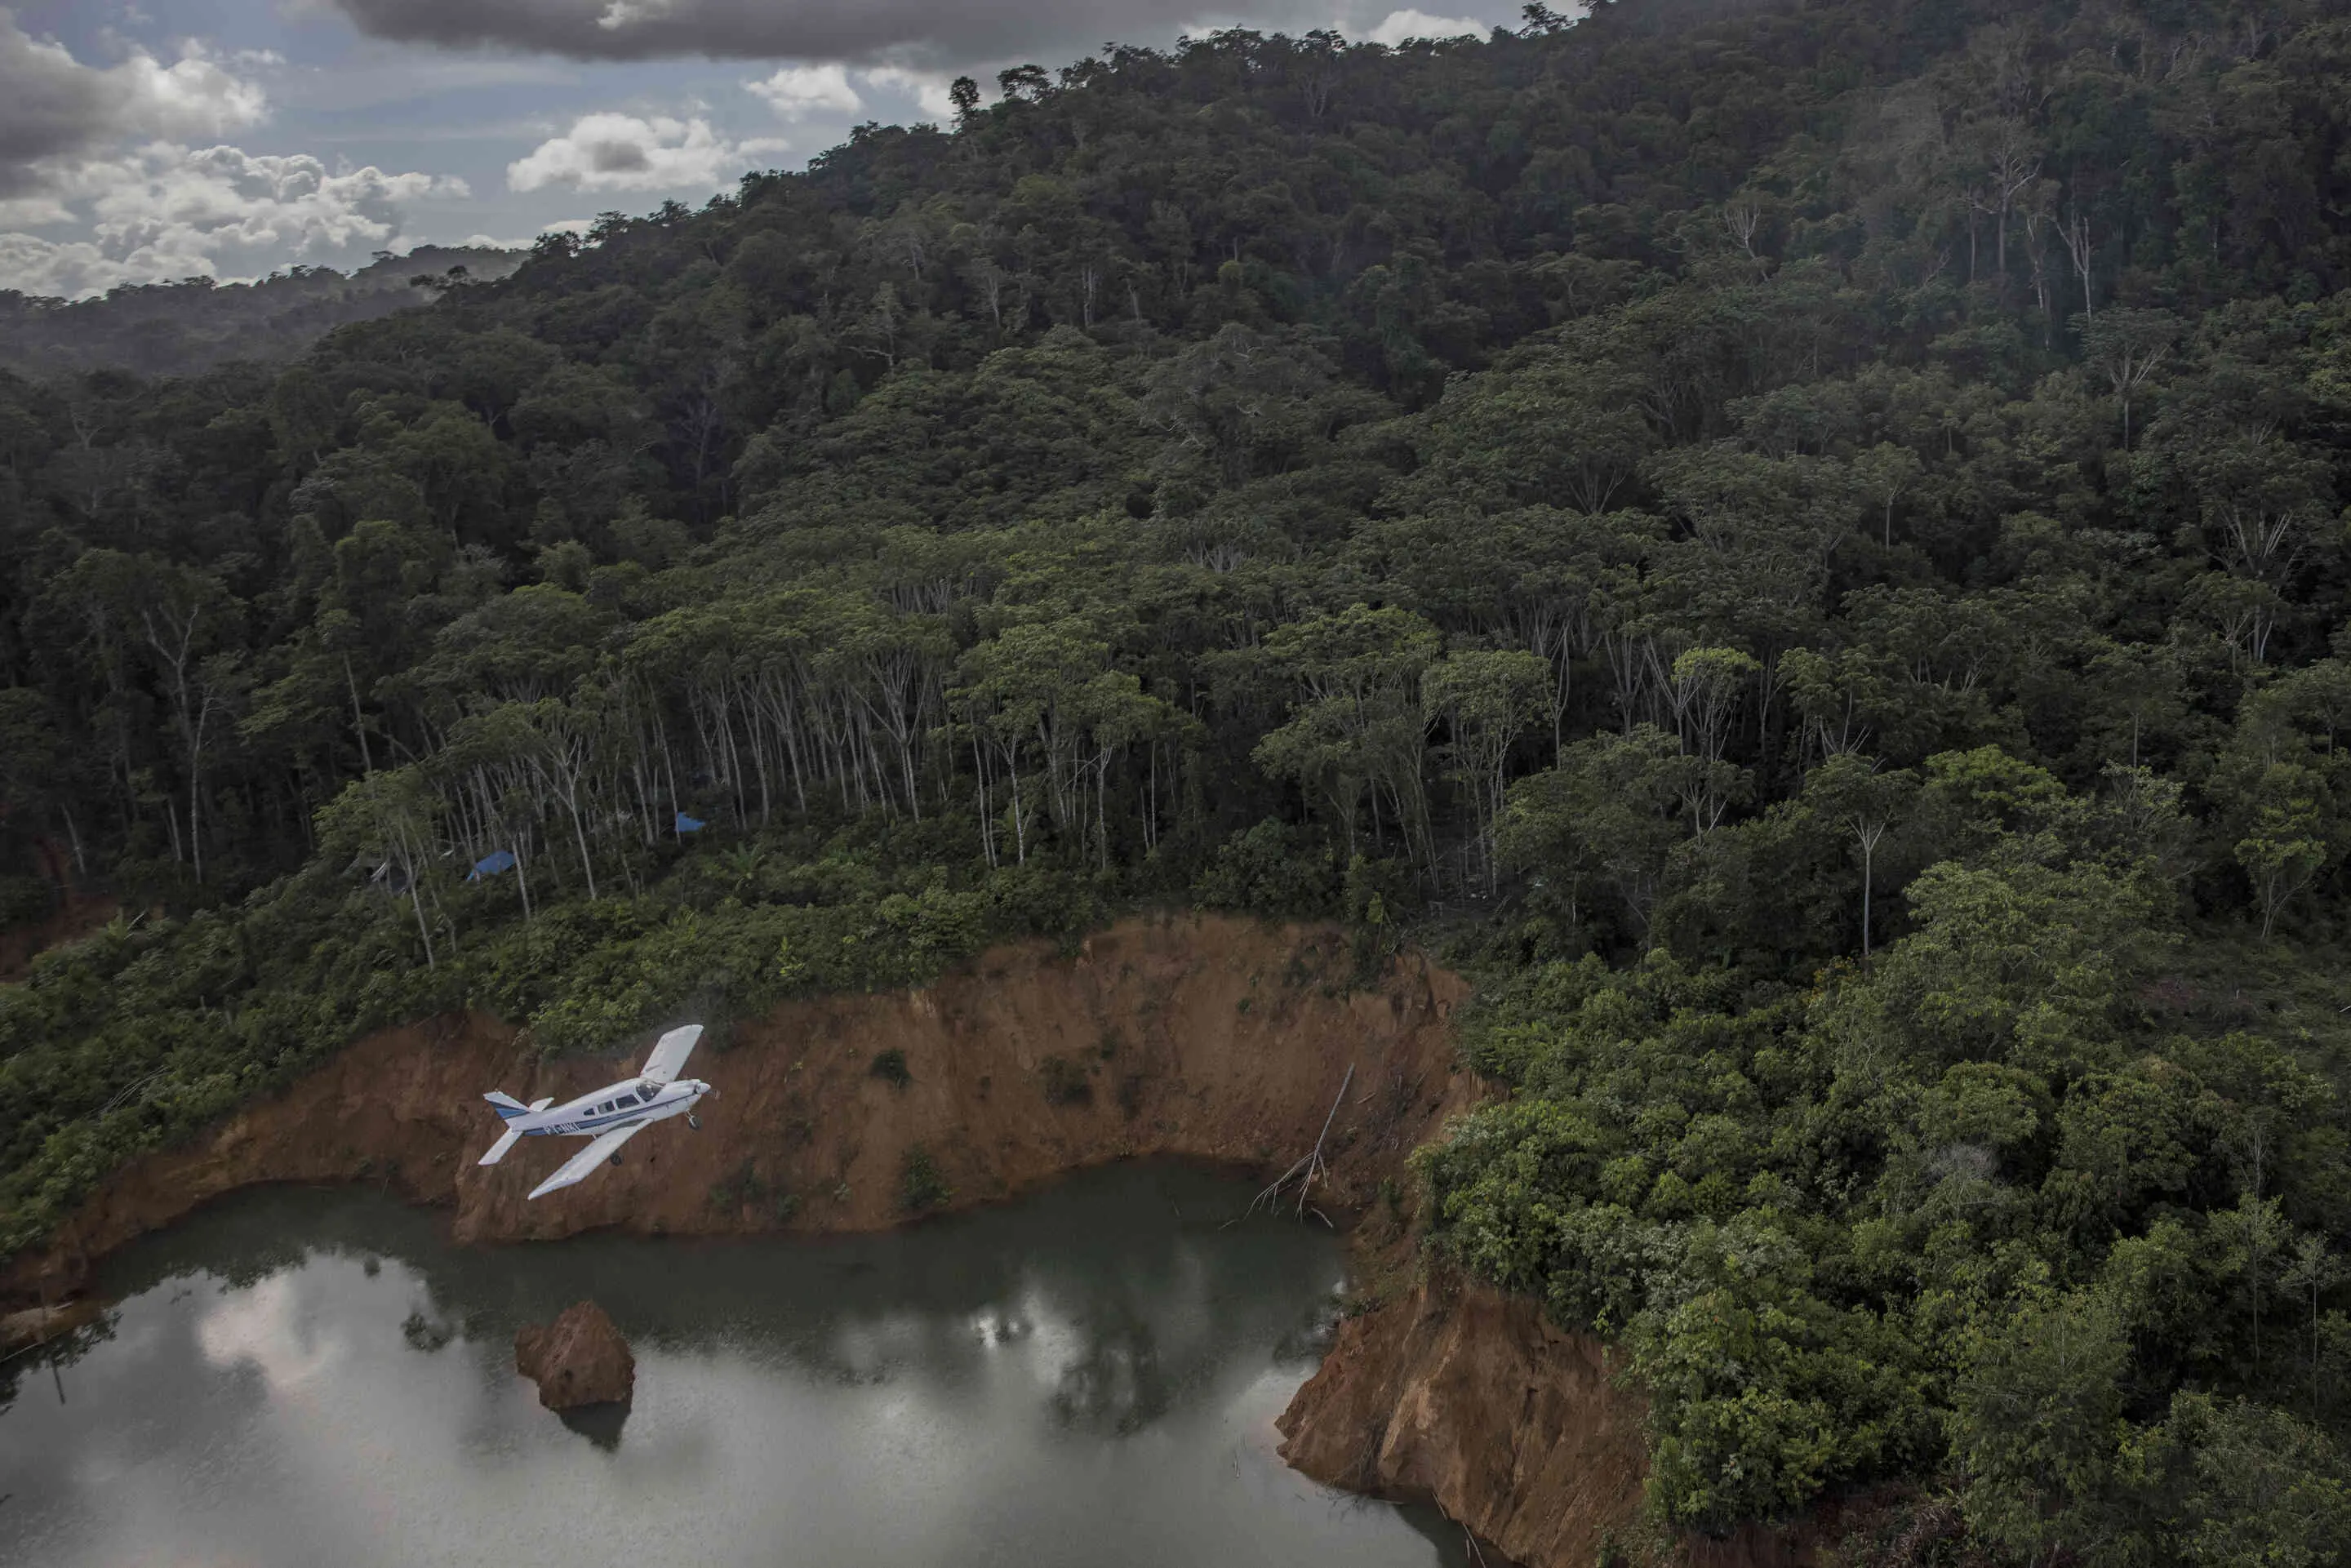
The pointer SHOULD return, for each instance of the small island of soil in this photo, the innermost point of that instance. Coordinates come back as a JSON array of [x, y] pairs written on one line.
[[579, 1359]]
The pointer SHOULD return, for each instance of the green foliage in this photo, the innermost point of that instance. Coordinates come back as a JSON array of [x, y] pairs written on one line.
[[2232, 1481], [920, 1187], [1968, 1211], [2037, 1421], [122, 1043], [194, 324], [1804, 537], [24, 900], [1272, 869], [586, 975]]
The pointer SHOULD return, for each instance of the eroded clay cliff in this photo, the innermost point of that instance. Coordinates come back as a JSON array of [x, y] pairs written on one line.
[[1469, 1399], [1460, 1396], [1192, 1036]]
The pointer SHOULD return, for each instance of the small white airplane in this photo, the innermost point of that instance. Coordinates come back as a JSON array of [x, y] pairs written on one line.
[[611, 1115]]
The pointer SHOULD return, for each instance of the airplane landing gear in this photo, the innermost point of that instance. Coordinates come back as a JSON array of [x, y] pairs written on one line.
[[693, 1121]]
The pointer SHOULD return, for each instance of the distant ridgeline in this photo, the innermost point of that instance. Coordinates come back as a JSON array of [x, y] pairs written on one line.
[[185, 328], [1806, 536]]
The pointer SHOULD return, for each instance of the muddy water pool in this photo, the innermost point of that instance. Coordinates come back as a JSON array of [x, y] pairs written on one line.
[[1088, 1376]]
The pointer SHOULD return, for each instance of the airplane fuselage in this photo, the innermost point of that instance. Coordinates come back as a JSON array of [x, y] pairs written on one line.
[[608, 1117], [614, 1105]]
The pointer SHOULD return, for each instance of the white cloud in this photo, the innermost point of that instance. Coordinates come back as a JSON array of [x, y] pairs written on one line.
[[35, 209], [795, 92], [623, 152], [267, 1327], [166, 211], [54, 109], [621, 14], [260, 201], [69, 270], [122, 157], [195, 96], [928, 88], [1402, 26], [561, 226]]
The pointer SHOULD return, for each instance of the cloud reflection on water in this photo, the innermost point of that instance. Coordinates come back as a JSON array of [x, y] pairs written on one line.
[[1063, 1381]]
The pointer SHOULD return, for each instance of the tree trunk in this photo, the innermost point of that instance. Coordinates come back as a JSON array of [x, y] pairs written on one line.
[[1867, 855], [359, 719], [417, 902]]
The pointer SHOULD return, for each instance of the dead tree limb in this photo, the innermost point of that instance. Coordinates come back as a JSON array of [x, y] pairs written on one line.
[[1308, 1167]]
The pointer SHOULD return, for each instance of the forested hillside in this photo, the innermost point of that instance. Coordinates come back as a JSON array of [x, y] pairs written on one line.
[[197, 324], [1802, 537]]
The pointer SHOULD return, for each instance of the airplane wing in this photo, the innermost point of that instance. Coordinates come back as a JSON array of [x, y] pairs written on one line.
[[669, 1054], [578, 1167]]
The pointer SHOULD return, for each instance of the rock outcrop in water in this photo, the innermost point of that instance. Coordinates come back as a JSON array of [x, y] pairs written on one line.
[[579, 1359]]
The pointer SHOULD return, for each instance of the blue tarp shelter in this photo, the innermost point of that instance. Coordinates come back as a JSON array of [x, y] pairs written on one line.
[[686, 824], [492, 863]]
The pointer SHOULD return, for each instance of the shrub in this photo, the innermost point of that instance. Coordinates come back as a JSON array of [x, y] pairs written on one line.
[[890, 1066], [1273, 869], [920, 1187], [1065, 1082], [746, 1190], [24, 899], [734, 1191]]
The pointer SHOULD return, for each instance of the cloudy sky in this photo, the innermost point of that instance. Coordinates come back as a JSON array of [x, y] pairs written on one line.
[[144, 139]]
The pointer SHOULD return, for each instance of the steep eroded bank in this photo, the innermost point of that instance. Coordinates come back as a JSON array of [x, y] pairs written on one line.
[[1469, 1398], [1459, 1394], [1196, 1035]]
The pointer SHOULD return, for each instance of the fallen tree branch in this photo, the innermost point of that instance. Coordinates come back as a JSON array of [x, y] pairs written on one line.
[[1308, 1167]]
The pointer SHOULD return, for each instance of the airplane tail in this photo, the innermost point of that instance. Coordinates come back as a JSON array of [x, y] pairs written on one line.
[[509, 1108]]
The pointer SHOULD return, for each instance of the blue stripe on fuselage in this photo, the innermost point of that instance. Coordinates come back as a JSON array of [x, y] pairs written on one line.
[[590, 1123]]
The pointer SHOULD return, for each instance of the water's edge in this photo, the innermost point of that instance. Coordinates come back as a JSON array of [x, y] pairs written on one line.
[[1022, 1383], [1199, 1037]]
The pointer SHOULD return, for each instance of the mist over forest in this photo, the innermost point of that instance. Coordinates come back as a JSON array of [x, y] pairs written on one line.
[[199, 324]]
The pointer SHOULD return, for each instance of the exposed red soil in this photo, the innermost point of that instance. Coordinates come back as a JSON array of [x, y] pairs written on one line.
[[1197, 1037], [579, 1359], [1457, 1395], [1191, 1036]]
